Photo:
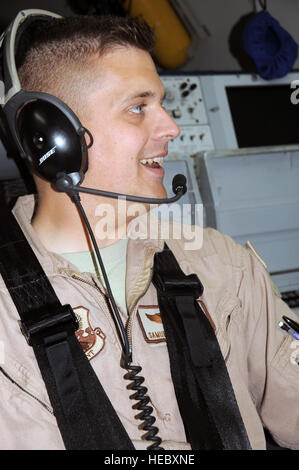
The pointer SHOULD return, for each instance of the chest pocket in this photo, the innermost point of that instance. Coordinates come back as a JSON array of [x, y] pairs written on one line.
[[286, 361]]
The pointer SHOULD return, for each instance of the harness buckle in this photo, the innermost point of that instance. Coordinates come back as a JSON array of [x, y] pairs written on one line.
[[179, 286], [51, 329]]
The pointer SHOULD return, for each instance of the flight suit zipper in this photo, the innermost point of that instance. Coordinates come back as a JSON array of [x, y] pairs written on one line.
[[74, 275], [131, 315], [104, 294]]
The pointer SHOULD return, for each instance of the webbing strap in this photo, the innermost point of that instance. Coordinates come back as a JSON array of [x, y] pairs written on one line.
[[84, 414], [202, 385]]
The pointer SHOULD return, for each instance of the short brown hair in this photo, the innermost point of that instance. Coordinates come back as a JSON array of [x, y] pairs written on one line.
[[57, 56]]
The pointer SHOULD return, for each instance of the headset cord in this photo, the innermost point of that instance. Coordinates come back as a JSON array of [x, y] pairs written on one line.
[[141, 391], [142, 405]]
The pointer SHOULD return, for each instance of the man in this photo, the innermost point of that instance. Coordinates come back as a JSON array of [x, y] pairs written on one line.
[[102, 69]]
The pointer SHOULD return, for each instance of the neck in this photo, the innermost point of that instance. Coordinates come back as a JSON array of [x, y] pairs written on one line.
[[59, 226]]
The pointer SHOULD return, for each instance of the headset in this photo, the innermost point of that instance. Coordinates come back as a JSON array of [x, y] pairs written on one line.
[[48, 134], [40, 124]]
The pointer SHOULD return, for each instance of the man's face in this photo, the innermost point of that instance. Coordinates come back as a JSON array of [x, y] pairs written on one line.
[[129, 125]]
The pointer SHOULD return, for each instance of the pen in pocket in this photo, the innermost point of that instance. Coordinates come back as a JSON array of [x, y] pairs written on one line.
[[289, 330], [292, 324]]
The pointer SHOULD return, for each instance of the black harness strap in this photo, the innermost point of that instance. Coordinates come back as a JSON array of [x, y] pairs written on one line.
[[202, 385], [84, 414]]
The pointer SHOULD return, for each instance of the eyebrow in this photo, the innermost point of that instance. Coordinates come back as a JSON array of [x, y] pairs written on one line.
[[143, 94]]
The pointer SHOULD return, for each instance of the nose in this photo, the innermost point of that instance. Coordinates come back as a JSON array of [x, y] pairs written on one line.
[[166, 128]]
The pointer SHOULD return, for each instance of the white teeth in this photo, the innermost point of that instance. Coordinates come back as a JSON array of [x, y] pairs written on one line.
[[152, 160]]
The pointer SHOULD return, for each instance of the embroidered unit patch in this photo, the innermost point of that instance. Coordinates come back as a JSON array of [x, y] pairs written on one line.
[[91, 339]]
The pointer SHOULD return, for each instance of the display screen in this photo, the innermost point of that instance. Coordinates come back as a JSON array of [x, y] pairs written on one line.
[[264, 115]]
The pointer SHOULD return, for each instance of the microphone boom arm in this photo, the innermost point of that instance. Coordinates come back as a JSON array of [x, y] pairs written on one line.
[[64, 183]]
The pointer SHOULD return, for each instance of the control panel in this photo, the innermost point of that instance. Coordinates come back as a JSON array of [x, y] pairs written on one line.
[[184, 103]]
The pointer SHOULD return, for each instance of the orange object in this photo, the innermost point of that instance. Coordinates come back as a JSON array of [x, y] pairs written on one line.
[[173, 41]]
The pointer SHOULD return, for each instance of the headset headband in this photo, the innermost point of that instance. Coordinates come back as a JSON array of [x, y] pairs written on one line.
[[9, 40]]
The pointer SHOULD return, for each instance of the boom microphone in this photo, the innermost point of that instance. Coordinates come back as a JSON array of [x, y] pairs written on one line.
[[64, 183], [179, 183]]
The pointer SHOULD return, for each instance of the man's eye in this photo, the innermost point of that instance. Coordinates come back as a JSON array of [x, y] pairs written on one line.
[[138, 109]]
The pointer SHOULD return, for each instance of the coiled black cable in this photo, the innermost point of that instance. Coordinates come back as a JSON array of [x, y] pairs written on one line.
[[143, 406], [141, 391]]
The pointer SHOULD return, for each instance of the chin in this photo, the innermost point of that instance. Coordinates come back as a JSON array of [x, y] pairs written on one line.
[[157, 192], [145, 190]]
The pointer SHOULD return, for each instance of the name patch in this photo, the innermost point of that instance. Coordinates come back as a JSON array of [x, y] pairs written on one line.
[[150, 321]]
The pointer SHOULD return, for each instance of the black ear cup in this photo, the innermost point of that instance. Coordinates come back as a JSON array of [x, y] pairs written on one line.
[[50, 140]]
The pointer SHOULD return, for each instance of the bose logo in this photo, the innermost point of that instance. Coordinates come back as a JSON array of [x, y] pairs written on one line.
[[47, 155]]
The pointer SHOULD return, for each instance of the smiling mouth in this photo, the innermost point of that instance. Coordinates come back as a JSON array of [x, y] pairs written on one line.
[[156, 162]]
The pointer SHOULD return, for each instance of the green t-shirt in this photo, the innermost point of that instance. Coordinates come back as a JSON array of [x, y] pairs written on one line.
[[114, 259]]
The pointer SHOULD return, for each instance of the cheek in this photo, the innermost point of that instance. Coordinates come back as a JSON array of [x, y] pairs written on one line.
[[117, 146], [114, 160]]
